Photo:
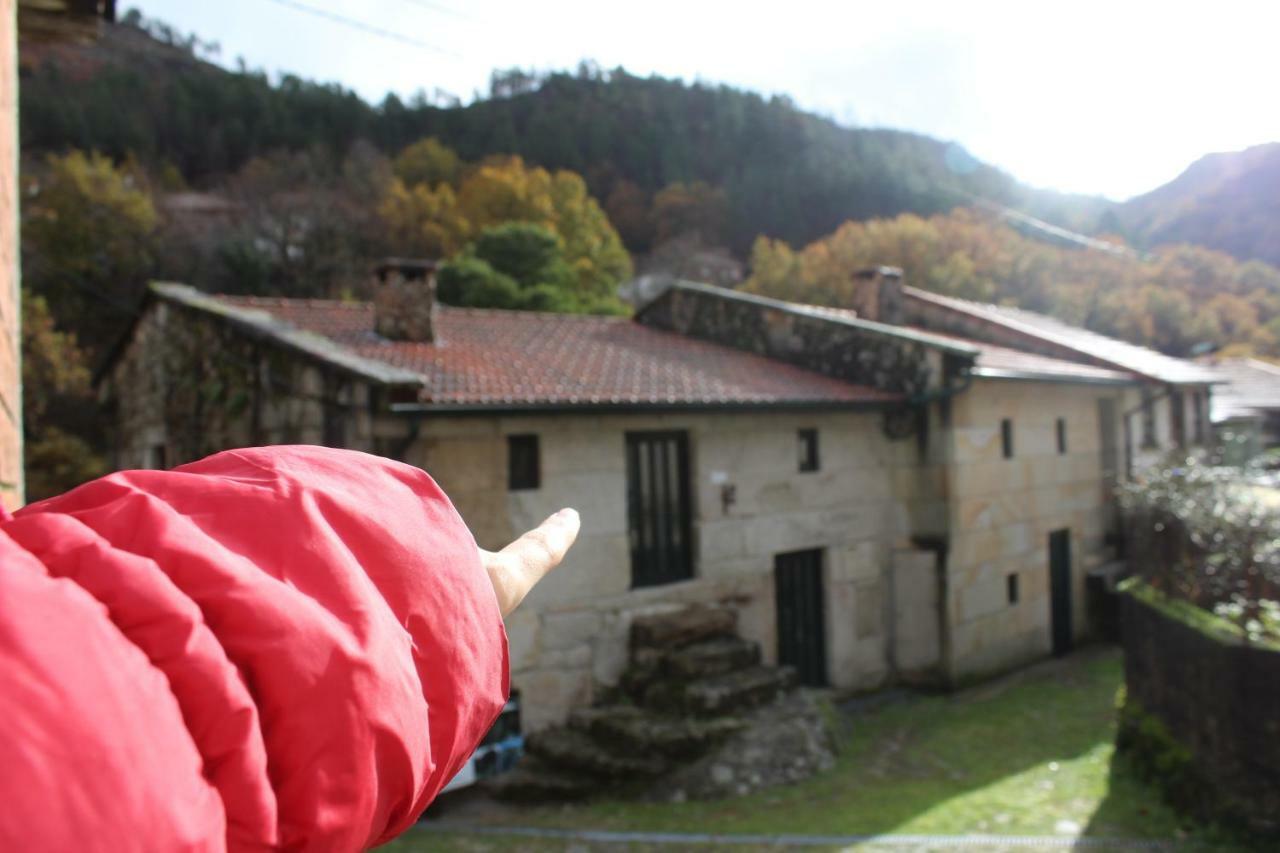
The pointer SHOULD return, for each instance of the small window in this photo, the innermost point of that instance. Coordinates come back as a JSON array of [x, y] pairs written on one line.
[[523, 470], [807, 447], [1062, 435], [1006, 437], [1011, 587]]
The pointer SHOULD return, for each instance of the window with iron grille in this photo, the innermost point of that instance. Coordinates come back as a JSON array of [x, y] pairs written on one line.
[[1062, 435], [659, 508], [523, 468], [1006, 438], [807, 447]]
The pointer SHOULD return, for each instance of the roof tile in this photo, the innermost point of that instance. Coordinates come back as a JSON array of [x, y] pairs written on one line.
[[491, 357]]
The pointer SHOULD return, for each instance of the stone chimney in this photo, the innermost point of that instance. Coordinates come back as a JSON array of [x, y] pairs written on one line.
[[877, 294], [404, 299]]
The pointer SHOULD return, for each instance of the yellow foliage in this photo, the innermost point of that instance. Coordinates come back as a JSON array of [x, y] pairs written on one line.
[[1173, 299], [422, 221], [503, 189], [427, 161]]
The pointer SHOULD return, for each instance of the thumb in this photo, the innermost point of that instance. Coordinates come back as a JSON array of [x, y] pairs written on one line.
[[517, 568]]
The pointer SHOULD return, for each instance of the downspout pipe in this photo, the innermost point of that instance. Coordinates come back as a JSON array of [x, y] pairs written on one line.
[[415, 427], [947, 392]]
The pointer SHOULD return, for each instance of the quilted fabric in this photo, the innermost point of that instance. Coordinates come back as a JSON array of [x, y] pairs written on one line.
[[273, 648]]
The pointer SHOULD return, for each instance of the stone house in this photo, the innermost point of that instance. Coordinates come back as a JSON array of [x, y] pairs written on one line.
[[1246, 406], [910, 491]]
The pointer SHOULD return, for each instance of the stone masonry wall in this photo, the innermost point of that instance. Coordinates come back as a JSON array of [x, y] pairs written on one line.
[[1215, 698], [186, 388], [10, 313], [1003, 510], [569, 639]]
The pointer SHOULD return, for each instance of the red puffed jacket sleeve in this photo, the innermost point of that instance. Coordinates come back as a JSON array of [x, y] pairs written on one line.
[[285, 647]]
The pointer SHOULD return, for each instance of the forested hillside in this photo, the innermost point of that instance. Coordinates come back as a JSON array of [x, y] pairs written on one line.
[[142, 161], [1229, 202], [782, 172]]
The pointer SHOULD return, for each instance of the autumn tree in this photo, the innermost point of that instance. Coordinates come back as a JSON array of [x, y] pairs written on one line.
[[88, 244], [61, 431], [422, 221], [520, 266], [628, 207], [1175, 299], [428, 162], [693, 209], [439, 222]]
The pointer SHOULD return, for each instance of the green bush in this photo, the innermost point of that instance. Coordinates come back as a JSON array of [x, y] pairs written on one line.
[[1208, 535]]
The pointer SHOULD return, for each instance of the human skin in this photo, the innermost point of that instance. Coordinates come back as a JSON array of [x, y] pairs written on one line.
[[517, 568]]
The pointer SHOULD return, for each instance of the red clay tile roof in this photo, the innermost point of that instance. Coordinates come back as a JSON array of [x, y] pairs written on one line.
[[488, 357]]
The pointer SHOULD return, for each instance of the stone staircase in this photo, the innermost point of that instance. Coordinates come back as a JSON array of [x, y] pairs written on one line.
[[691, 685]]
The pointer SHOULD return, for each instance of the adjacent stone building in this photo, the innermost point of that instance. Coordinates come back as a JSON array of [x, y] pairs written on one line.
[[907, 492], [1246, 406]]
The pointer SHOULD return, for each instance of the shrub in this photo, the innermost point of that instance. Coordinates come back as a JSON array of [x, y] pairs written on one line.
[[1210, 536]]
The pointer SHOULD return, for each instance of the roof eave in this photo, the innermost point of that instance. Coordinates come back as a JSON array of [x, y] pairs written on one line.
[[263, 325], [641, 407], [1033, 376], [1022, 329], [810, 312]]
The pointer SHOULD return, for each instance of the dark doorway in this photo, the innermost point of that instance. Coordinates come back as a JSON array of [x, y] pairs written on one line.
[[1060, 590], [801, 624], [659, 507]]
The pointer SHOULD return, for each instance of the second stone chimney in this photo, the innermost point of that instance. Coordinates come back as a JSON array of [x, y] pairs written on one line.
[[404, 299], [877, 294]]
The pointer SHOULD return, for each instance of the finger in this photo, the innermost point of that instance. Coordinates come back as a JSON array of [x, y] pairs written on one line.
[[518, 567]]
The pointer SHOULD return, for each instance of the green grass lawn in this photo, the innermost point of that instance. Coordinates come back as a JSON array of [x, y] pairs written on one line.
[[1027, 755]]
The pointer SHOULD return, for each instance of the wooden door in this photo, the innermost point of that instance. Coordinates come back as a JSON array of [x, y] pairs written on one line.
[[801, 604]]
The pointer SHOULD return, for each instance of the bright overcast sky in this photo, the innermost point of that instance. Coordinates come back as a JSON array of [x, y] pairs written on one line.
[[1113, 97]]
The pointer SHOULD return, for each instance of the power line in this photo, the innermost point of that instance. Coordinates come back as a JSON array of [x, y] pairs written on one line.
[[352, 23], [436, 7]]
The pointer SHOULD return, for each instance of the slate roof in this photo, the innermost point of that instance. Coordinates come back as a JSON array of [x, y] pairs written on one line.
[[997, 362], [513, 359], [1251, 388], [1114, 353]]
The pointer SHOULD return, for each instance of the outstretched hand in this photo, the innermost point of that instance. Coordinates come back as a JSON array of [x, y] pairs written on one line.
[[515, 569]]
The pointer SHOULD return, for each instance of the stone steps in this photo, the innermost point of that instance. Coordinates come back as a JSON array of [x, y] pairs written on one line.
[[690, 678], [711, 658], [666, 631], [579, 751], [646, 733], [739, 691], [729, 693]]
